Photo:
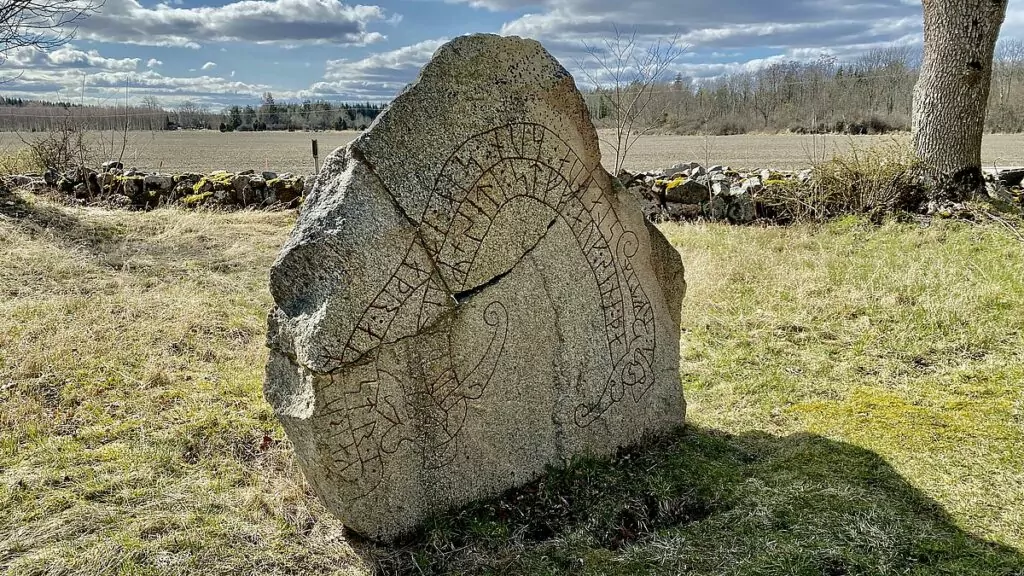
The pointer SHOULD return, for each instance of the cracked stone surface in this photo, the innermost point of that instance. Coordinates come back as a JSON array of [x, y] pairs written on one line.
[[468, 297]]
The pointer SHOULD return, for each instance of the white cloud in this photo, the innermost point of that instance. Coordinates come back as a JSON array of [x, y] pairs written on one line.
[[378, 76], [499, 4], [67, 57], [727, 24], [209, 66], [721, 35], [107, 85], [260, 21], [71, 74], [724, 24], [1013, 27]]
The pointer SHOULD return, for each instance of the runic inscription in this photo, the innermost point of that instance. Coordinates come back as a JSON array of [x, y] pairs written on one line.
[[512, 162], [468, 298]]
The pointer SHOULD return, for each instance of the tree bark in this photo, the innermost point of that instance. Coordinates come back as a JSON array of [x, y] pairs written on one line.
[[952, 92]]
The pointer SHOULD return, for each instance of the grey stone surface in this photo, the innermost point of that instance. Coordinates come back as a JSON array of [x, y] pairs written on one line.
[[688, 192], [1012, 177], [218, 189], [468, 297], [161, 182]]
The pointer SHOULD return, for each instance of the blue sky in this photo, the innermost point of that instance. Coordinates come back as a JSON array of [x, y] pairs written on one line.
[[223, 52]]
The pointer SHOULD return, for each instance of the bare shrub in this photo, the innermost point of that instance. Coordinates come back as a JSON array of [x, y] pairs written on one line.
[[876, 181], [62, 148], [69, 145], [42, 24], [626, 77]]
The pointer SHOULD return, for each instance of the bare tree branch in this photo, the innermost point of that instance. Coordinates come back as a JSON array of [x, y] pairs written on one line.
[[41, 24], [625, 77]]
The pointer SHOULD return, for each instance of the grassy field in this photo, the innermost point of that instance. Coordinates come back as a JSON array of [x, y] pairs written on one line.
[[855, 394], [207, 151]]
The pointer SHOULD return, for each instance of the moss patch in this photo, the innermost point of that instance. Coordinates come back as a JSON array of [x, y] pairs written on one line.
[[671, 184], [196, 199], [218, 180]]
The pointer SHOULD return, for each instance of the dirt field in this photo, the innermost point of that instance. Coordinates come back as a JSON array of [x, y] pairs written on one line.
[[290, 151]]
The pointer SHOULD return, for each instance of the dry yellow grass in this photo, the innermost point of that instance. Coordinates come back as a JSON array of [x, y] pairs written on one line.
[[855, 407], [132, 427]]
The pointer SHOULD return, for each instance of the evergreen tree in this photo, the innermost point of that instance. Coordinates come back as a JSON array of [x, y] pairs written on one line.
[[234, 117], [269, 113]]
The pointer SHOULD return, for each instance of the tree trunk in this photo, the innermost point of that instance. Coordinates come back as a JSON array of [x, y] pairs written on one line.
[[952, 93]]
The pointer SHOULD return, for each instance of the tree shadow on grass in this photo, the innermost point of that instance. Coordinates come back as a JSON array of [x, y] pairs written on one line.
[[705, 502]]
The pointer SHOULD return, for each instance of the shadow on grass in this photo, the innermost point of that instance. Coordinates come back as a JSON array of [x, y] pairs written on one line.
[[37, 218], [121, 243], [706, 502]]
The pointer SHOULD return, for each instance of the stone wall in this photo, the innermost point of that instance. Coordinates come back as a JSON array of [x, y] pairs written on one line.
[[690, 191], [685, 191], [112, 185]]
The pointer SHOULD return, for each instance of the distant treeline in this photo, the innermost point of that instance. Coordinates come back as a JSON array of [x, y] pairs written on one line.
[[868, 95], [871, 94], [17, 114]]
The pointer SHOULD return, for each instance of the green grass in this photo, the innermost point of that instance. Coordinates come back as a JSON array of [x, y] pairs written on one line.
[[856, 406]]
